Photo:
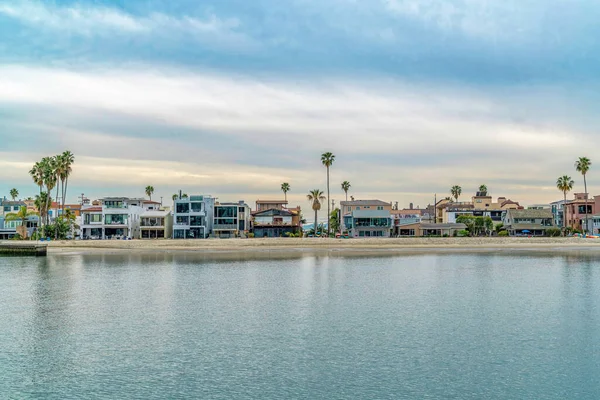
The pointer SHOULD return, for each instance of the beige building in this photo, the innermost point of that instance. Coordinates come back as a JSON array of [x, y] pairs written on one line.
[[481, 205]]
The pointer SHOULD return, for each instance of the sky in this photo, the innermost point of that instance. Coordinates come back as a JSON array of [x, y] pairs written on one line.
[[234, 97]]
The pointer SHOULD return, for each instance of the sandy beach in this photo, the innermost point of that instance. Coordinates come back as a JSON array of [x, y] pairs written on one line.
[[320, 244]]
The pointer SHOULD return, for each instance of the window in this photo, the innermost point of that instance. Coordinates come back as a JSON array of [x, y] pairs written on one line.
[[357, 208], [179, 234], [182, 208], [196, 221], [117, 219], [182, 220], [380, 208], [367, 207], [196, 207], [6, 208], [97, 218]]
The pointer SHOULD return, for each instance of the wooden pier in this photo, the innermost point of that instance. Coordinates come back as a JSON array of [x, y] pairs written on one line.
[[23, 248]]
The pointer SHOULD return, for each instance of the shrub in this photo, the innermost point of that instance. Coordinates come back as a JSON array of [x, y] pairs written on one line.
[[503, 233], [446, 235], [251, 235], [463, 233], [553, 232]]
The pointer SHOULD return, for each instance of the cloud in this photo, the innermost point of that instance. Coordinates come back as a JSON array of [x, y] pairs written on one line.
[[105, 21], [243, 134]]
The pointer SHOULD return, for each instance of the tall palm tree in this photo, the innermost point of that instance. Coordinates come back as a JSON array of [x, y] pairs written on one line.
[[327, 160], [37, 174], [565, 185], [483, 189], [285, 187], [316, 197], [583, 165], [49, 167], [345, 187], [149, 191], [456, 191], [68, 159], [41, 202], [14, 193]]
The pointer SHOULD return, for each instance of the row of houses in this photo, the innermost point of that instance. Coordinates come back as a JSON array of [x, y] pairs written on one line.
[[203, 216], [190, 217]]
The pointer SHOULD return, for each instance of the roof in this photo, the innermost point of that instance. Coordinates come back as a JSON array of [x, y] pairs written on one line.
[[92, 209], [521, 213], [365, 203], [274, 212], [13, 203], [509, 201], [151, 202]]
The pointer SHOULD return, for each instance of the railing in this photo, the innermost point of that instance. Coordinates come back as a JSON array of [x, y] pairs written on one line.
[[225, 226]]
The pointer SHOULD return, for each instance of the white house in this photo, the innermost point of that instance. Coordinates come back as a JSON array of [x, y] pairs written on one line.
[[115, 218]]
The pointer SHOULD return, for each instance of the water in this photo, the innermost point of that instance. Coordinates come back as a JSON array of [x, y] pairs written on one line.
[[479, 326]]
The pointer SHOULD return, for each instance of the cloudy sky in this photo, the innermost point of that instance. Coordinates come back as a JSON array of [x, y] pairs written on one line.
[[234, 97]]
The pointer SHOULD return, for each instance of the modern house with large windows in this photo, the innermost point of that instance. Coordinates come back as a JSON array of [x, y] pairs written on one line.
[[193, 217], [366, 218], [231, 219], [114, 218]]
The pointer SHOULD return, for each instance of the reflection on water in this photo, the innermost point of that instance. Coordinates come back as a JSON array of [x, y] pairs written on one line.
[[301, 325]]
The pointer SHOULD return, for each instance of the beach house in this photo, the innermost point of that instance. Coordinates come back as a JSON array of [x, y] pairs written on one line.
[[114, 218], [193, 217], [366, 218], [231, 219], [272, 218], [530, 222]]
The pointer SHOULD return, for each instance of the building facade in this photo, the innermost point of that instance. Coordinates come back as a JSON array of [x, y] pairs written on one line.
[[231, 220], [273, 218], [193, 217], [114, 218], [575, 211], [530, 222], [366, 218]]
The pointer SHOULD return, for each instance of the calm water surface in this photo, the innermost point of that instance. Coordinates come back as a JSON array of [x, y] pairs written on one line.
[[478, 326]]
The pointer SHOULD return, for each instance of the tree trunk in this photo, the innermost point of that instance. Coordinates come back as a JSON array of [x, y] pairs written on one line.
[[586, 205], [565, 215], [328, 201], [315, 223], [56, 216]]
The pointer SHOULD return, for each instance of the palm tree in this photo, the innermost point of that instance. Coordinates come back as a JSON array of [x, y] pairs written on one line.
[[327, 160], [67, 160], [41, 202], [316, 197], [37, 174], [184, 196], [149, 191], [175, 196], [14, 193], [565, 185], [49, 168], [285, 187], [583, 165], [456, 191], [483, 189], [345, 187], [22, 216]]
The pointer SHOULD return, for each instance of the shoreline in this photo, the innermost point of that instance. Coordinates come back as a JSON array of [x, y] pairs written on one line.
[[326, 246]]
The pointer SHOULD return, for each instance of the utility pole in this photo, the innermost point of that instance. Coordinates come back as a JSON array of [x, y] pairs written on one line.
[[82, 197], [435, 209]]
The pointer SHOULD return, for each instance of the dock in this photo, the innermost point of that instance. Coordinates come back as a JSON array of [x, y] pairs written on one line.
[[23, 248]]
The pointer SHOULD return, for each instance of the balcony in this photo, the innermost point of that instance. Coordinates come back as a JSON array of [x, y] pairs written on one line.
[[225, 227]]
